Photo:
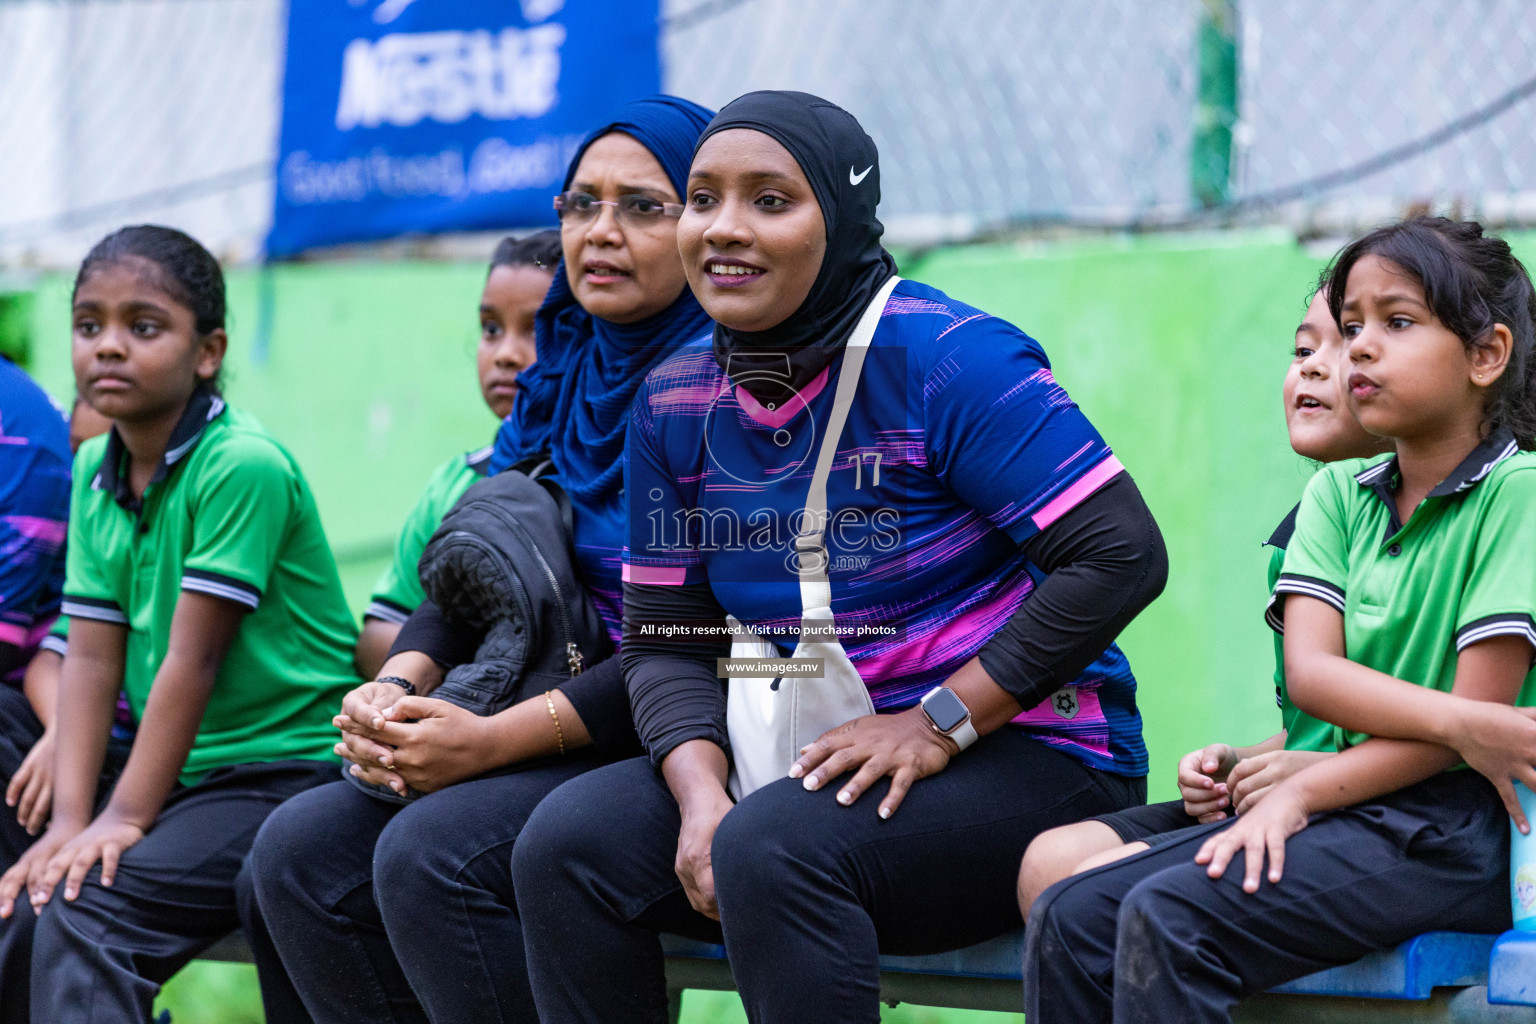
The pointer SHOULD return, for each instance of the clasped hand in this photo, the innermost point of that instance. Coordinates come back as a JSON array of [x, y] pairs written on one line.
[[1215, 778], [419, 742]]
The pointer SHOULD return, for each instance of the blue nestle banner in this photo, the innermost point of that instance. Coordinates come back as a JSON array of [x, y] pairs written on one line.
[[445, 115]]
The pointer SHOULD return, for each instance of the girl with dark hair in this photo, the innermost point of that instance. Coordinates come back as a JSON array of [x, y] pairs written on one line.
[[1222, 778], [1408, 602], [410, 915], [852, 447], [198, 581], [521, 270]]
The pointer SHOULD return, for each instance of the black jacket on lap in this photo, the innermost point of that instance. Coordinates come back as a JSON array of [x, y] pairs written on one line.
[[507, 615]]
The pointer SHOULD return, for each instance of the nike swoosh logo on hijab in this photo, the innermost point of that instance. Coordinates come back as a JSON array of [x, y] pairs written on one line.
[[823, 138]]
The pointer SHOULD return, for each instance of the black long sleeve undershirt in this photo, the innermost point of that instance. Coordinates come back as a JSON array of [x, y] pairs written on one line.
[[673, 690], [1105, 562], [598, 695], [432, 633]]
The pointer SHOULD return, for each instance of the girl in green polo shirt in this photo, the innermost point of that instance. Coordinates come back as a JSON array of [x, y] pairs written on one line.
[[1220, 777], [521, 269], [199, 582], [1409, 605]]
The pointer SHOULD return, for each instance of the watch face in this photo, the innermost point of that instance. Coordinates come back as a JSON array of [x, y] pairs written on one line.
[[945, 710]]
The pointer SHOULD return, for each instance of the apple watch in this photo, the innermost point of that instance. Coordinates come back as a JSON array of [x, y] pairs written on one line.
[[949, 716]]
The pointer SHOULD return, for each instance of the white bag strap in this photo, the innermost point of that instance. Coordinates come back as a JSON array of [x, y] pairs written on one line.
[[811, 554]]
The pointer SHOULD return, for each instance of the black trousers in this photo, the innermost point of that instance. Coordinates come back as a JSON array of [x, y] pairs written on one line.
[[810, 892], [1154, 939], [378, 913], [104, 956]]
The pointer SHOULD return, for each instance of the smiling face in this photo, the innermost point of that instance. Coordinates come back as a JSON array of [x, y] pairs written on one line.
[[1318, 418], [752, 235], [622, 272], [1410, 376], [511, 298], [136, 352]]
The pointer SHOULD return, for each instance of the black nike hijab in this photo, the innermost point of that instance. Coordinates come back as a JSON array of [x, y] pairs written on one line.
[[843, 167]]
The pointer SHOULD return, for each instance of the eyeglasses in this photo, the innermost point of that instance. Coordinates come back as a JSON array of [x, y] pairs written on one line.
[[633, 209]]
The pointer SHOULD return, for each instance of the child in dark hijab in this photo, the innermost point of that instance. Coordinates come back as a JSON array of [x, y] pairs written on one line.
[[983, 546]]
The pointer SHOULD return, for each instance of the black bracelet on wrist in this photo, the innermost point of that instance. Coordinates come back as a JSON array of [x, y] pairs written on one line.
[[410, 687]]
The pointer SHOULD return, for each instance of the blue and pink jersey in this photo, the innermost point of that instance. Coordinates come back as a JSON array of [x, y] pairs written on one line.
[[597, 526], [959, 447], [34, 511]]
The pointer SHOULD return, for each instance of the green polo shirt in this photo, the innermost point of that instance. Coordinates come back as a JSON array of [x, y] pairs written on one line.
[[398, 591], [1413, 597], [1302, 731], [227, 513]]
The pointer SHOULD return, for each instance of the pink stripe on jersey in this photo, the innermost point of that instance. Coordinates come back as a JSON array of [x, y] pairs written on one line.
[[1086, 728], [962, 633], [49, 531], [776, 418], [656, 575], [12, 634], [1079, 492]]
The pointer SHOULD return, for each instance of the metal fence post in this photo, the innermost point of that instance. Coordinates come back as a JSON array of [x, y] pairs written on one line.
[[1210, 151]]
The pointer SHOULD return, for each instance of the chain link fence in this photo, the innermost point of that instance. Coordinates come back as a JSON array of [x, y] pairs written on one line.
[[992, 118], [131, 110]]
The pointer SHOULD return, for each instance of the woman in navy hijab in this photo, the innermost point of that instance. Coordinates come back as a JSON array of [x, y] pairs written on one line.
[[378, 912]]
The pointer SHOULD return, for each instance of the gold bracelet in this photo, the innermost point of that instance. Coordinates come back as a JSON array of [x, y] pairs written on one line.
[[559, 734]]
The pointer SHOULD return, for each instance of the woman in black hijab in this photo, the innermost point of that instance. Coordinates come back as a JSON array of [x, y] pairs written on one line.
[[975, 544]]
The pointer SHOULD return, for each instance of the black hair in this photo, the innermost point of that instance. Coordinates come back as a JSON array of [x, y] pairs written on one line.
[[541, 250], [1472, 282], [1324, 279], [184, 270]]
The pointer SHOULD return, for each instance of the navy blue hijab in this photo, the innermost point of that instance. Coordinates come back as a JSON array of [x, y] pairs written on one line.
[[574, 401]]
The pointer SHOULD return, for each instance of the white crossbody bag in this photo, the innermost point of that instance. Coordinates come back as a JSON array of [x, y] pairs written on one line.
[[770, 718]]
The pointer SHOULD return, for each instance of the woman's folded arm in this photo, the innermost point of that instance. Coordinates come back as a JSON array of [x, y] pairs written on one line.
[[1106, 562]]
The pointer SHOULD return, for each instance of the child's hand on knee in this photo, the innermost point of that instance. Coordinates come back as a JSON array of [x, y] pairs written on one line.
[[104, 840], [27, 873], [32, 861], [1262, 831]]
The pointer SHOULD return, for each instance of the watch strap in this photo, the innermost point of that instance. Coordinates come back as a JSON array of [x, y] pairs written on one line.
[[406, 684], [964, 734]]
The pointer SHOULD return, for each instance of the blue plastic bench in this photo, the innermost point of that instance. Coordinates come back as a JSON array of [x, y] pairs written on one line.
[[1512, 970], [1438, 976]]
